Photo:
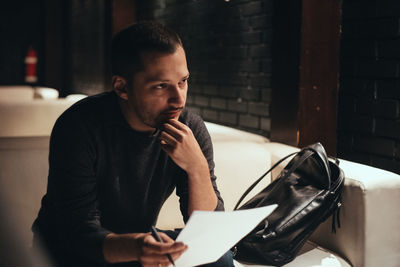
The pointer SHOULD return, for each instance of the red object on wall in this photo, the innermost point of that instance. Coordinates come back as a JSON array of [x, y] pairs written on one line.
[[30, 65]]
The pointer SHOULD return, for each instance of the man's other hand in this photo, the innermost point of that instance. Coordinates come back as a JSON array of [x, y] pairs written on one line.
[[142, 247], [154, 253]]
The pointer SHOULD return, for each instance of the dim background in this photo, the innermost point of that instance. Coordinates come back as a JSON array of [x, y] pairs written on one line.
[[294, 71]]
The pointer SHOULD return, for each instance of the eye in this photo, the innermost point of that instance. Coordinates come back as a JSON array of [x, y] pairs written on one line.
[[160, 86], [183, 82]]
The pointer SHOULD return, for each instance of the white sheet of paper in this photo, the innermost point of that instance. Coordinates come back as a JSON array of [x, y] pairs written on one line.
[[209, 235]]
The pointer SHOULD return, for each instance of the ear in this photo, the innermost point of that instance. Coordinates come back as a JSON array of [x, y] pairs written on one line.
[[120, 86]]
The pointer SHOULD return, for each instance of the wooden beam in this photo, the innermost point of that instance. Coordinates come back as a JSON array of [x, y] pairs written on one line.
[[319, 73], [123, 14]]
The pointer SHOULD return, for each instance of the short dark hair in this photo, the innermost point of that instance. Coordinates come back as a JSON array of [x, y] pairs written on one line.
[[129, 44]]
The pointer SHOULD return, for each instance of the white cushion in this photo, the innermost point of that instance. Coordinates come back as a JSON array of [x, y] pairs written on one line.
[[23, 179], [16, 93], [220, 133], [46, 93], [310, 256], [75, 97], [31, 118]]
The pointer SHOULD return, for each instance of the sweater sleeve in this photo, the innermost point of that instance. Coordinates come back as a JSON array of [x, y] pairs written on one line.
[[71, 209], [203, 138]]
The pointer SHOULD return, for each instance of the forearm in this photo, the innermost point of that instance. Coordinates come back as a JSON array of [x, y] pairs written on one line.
[[121, 247], [179, 142], [141, 247], [201, 192]]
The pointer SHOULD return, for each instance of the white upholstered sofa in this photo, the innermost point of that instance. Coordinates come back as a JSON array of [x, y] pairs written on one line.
[[370, 216]]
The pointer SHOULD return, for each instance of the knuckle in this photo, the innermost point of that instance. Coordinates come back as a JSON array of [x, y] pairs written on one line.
[[147, 237], [186, 129]]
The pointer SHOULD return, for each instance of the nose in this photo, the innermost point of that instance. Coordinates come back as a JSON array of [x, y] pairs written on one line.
[[177, 95]]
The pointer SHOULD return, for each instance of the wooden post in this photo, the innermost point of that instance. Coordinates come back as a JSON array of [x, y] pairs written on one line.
[[319, 73]]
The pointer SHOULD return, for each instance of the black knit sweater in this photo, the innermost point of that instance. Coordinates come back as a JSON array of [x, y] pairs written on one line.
[[105, 177]]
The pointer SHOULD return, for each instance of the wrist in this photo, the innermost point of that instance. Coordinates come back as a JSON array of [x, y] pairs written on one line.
[[199, 170], [122, 247]]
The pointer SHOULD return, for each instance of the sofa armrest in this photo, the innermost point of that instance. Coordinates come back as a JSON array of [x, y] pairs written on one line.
[[370, 218], [31, 118], [16, 93], [23, 179]]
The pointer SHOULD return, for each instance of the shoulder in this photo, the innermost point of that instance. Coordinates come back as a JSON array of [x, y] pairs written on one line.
[[86, 113], [91, 105], [90, 108]]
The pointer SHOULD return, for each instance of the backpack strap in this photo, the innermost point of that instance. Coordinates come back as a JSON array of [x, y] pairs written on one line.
[[307, 153], [259, 179]]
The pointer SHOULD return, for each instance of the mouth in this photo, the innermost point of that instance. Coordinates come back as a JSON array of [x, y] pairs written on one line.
[[172, 113]]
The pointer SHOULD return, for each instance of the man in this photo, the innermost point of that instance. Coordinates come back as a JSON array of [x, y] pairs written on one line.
[[116, 157]]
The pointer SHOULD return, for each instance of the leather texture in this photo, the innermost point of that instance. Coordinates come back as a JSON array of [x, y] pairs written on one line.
[[307, 191]]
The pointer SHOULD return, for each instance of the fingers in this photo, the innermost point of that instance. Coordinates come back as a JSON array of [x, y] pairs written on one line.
[[155, 253], [179, 142], [176, 127], [177, 124], [166, 238], [150, 263], [174, 132], [157, 248], [168, 139], [154, 260]]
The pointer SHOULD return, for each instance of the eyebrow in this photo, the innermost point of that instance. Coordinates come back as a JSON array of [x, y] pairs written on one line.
[[155, 79]]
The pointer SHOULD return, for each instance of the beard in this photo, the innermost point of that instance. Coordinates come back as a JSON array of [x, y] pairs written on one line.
[[156, 119]]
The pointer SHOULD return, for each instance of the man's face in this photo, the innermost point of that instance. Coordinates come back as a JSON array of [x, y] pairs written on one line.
[[158, 92]]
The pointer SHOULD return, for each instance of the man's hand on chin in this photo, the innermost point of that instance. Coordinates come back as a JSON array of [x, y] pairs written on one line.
[[178, 141]]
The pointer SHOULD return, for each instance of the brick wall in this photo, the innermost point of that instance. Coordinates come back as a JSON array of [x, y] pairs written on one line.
[[228, 46], [369, 96]]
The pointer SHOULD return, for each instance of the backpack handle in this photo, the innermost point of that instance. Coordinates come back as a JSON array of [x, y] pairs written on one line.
[[316, 148], [259, 179]]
